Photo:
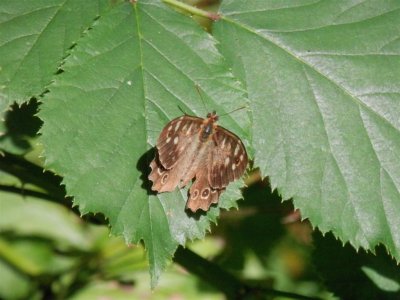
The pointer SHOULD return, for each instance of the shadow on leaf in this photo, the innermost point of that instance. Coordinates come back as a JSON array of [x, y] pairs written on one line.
[[143, 166]]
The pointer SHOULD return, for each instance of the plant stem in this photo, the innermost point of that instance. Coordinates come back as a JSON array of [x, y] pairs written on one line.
[[209, 272], [231, 286], [193, 10], [28, 172]]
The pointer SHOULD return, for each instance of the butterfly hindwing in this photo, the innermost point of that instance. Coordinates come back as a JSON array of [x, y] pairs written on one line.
[[163, 180], [201, 194]]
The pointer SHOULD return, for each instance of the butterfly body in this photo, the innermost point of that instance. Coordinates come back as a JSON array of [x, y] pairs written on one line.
[[209, 125], [191, 147]]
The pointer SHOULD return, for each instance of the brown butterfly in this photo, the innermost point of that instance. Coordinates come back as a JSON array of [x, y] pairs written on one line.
[[191, 147]]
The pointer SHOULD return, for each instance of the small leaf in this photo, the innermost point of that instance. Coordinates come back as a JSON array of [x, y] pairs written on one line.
[[122, 83], [323, 82]]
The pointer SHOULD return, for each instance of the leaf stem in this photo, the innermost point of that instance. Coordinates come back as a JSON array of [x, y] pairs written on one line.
[[231, 286], [193, 10]]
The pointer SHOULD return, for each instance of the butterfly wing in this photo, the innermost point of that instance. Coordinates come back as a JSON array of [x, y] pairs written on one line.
[[228, 159], [177, 157], [175, 138], [184, 154], [201, 194]]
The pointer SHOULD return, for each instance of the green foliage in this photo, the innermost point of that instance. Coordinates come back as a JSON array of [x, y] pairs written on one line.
[[137, 72], [35, 36], [44, 248], [320, 81], [323, 79]]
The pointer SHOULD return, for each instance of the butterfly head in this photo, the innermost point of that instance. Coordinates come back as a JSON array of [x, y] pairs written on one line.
[[213, 116]]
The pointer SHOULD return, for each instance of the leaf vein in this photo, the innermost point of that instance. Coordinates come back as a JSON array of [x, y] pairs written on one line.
[[304, 62]]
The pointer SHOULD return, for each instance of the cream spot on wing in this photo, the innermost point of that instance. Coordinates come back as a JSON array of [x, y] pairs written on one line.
[[168, 140], [184, 127], [177, 125], [241, 157], [236, 149], [190, 127], [176, 140], [223, 143], [226, 161], [181, 148], [233, 167], [181, 117], [169, 128]]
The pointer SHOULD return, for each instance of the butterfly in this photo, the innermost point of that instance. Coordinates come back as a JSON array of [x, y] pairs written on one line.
[[195, 148]]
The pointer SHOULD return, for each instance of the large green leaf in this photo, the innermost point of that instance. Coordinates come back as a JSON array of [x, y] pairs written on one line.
[[34, 38], [323, 81], [121, 84]]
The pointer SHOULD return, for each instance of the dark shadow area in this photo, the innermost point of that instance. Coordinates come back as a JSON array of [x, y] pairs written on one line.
[[20, 124], [28, 172], [255, 227], [143, 166], [96, 219], [199, 213], [345, 270]]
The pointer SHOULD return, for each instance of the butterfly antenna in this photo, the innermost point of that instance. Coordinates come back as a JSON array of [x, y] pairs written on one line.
[[242, 107], [201, 97]]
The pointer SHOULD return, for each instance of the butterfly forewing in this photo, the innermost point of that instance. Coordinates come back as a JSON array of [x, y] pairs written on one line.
[[175, 138], [229, 159]]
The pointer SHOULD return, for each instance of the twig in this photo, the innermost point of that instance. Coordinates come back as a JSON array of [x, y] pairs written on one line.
[[231, 286]]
